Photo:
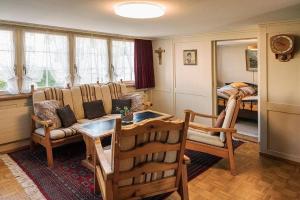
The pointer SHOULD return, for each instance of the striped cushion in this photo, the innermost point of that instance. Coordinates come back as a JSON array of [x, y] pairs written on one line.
[[88, 92], [56, 134], [115, 90], [54, 94]]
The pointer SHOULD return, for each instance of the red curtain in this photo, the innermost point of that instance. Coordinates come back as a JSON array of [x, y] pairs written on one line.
[[143, 64]]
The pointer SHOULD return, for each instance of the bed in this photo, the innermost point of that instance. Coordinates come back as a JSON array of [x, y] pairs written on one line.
[[249, 105]]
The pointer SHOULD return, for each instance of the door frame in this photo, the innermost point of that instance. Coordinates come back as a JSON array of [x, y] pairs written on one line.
[[214, 77]]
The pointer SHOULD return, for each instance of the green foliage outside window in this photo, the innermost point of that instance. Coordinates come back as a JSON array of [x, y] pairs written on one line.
[[3, 85], [47, 80]]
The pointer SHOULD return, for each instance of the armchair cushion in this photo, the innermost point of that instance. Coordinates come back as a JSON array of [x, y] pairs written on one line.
[[66, 116], [228, 117], [56, 134], [46, 110], [203, 137]]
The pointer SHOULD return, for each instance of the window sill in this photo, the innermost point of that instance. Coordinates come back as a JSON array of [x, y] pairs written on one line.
[[7, 97]]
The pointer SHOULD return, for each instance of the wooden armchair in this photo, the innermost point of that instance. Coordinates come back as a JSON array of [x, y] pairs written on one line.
[[145, 160], [212, 140], [46, 137]]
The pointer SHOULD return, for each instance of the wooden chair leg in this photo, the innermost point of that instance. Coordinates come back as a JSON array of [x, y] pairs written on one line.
[[183, 189], [231, 156], [49, 155]]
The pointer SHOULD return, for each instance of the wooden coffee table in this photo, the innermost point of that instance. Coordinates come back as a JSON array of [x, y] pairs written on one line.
[[105, 127]]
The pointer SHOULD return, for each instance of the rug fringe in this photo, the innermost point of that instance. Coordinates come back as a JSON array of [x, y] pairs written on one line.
[[27, 184]]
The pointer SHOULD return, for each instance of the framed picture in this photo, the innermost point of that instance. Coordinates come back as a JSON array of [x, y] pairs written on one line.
[[251, 60], [190, 57]]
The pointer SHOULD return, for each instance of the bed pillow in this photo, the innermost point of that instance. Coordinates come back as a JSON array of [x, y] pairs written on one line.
[[228, 90], [66, 116], [93, 109], [248, 91], [46, 110], [239, 84]]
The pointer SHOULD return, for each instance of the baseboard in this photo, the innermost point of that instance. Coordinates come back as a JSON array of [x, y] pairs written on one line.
[[247, 138], [279, 159], [14, 146]]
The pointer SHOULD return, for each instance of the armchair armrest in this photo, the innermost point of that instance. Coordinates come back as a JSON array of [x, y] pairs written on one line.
[[212, 129], [105, 165], [194, 114], [45, 123]]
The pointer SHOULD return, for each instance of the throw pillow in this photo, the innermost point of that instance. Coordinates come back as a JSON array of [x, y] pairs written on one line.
[[137, 101], [66, 116], [46, 110], [220, 119], [238, 84], [219, 122], [93, 109], [120, 103]]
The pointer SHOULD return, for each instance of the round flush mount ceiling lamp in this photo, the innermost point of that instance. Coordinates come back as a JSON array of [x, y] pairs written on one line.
[[139, 10]]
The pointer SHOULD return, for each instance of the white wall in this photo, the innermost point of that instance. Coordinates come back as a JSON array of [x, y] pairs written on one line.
[[280, 95], [231, 65], [179, 86]]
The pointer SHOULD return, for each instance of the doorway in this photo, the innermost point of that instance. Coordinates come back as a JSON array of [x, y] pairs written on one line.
[[236, 71]]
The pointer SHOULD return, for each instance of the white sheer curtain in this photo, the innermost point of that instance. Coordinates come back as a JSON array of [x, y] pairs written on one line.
[[91, 60], [46, 60], [8, 78], [123, 60]]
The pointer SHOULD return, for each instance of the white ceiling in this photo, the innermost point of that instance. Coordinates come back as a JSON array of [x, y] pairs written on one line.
[[182, 16]]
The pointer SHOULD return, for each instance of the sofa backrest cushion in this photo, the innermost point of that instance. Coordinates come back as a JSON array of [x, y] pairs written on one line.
[[63, 96], [117, 90], [88, 93]]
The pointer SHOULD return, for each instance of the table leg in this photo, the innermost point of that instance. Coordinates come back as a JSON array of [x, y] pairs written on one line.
[[89, 160]]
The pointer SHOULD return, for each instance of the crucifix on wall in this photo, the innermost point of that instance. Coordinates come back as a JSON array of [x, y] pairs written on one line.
[[159, 51]]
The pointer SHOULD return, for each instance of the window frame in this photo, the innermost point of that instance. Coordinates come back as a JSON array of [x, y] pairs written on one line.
[[50, 32], [91, 36], [14, 34], [126, 82], [19, 30]]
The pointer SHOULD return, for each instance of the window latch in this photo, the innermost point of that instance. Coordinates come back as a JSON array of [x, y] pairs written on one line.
[[24, 69]]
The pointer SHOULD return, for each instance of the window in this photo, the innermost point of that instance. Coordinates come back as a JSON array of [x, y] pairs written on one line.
[[8, 80], [46, 59], [123, 60], [91, 60]]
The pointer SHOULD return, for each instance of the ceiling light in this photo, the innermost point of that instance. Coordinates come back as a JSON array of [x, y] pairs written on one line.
[[139, 10]]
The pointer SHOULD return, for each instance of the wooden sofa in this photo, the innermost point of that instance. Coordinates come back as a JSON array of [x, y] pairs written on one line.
[[42, 131]]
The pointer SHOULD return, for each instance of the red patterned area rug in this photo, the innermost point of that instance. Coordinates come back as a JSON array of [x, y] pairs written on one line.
[[68, 179]]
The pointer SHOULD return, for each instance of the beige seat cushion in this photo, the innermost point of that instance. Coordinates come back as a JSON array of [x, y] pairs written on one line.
[[83, 121], [199, 136], [56, 134]]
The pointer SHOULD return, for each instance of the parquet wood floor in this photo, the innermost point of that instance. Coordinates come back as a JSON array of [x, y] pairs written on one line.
[[259, 178]]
